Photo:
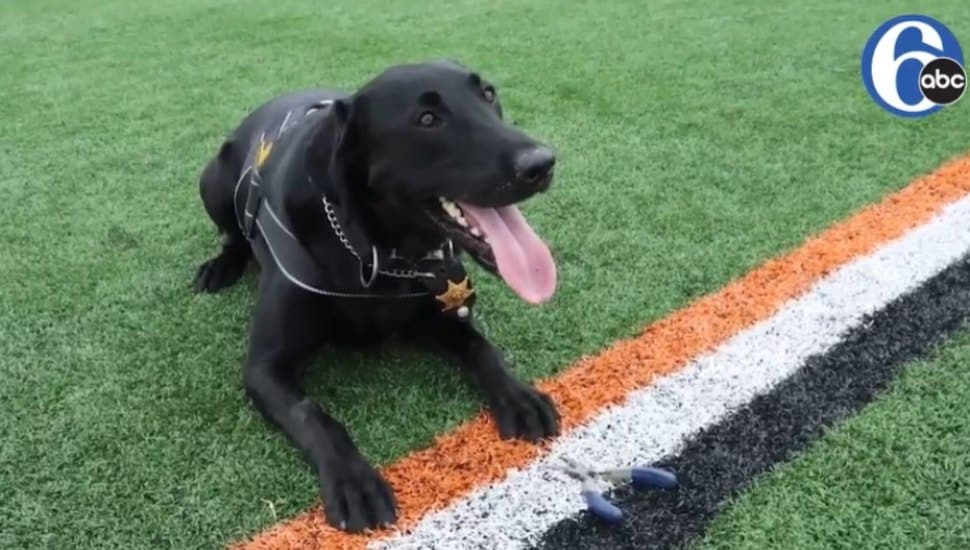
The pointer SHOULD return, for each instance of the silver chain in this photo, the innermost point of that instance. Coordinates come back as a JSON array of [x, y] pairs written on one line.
[[406, 273], [339, 232]]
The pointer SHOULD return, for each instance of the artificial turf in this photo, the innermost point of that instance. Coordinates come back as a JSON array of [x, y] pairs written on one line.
[[896, 476], [694, 140], [724, 459]]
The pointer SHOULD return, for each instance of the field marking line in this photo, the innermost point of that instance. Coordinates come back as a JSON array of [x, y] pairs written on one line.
[[472, 455]]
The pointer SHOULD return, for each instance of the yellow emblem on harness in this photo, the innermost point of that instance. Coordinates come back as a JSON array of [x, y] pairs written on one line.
[[456, 294], [263, 152]]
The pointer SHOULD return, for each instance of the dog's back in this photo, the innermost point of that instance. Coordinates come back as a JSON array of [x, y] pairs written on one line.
[[217, 182]]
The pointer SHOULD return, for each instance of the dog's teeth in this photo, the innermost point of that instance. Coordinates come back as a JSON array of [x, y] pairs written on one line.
[[454, 211], [476, 231]]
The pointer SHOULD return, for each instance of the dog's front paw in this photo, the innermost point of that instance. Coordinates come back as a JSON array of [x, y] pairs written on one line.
[[356, 497], [524, 412]]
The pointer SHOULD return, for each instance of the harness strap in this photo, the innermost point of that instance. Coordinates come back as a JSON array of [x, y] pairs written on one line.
[[439, 271], [289, 255]]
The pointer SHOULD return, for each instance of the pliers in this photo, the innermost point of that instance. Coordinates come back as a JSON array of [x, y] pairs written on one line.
[[639, 476]]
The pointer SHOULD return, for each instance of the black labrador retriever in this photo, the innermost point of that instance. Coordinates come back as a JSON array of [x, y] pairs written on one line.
[[357, 207]]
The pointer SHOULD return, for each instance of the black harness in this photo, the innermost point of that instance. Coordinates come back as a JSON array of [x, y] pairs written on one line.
[[440, 273]]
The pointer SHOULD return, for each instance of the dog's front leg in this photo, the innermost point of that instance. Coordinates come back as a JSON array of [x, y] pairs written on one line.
[[355, 496], [519, 409]]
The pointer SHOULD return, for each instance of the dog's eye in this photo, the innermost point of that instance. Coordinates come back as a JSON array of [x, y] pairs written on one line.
[[489, 95], [427, 119]]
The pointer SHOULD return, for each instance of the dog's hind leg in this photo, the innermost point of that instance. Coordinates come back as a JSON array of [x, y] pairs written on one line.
[[216, 186]]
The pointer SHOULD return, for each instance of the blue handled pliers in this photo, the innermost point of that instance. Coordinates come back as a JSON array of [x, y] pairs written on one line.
[[640, 477]]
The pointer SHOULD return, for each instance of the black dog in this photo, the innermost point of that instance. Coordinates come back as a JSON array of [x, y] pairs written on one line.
[[356, 207]]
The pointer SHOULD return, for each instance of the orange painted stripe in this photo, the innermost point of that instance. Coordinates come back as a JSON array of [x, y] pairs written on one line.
[[473, 455]]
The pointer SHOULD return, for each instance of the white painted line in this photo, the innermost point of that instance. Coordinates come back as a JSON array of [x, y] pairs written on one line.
[[656, 421]]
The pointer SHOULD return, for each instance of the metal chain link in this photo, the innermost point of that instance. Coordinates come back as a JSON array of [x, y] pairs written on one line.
[[335, 225], [342, 237]]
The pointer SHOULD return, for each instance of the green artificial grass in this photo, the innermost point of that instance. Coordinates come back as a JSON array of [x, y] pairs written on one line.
[[896, 476], [695, 139]]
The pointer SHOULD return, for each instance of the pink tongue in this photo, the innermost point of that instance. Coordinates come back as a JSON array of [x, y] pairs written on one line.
[[524, 261]]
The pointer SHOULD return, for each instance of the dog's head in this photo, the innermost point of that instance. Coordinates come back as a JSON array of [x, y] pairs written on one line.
[[427, 149]]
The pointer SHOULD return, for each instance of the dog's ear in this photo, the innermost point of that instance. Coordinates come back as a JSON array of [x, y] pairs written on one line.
[[342, 110], [337, 149], [337, 162], [348, 161]]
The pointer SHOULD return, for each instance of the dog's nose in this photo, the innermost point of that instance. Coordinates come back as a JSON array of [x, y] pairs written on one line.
[[535, 165]]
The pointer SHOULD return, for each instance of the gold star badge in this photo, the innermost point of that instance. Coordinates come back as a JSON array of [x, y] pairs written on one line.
[[263, 152], [456, 295]]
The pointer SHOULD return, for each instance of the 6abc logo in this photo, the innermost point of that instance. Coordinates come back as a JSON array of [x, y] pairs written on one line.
[[912, 66]]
